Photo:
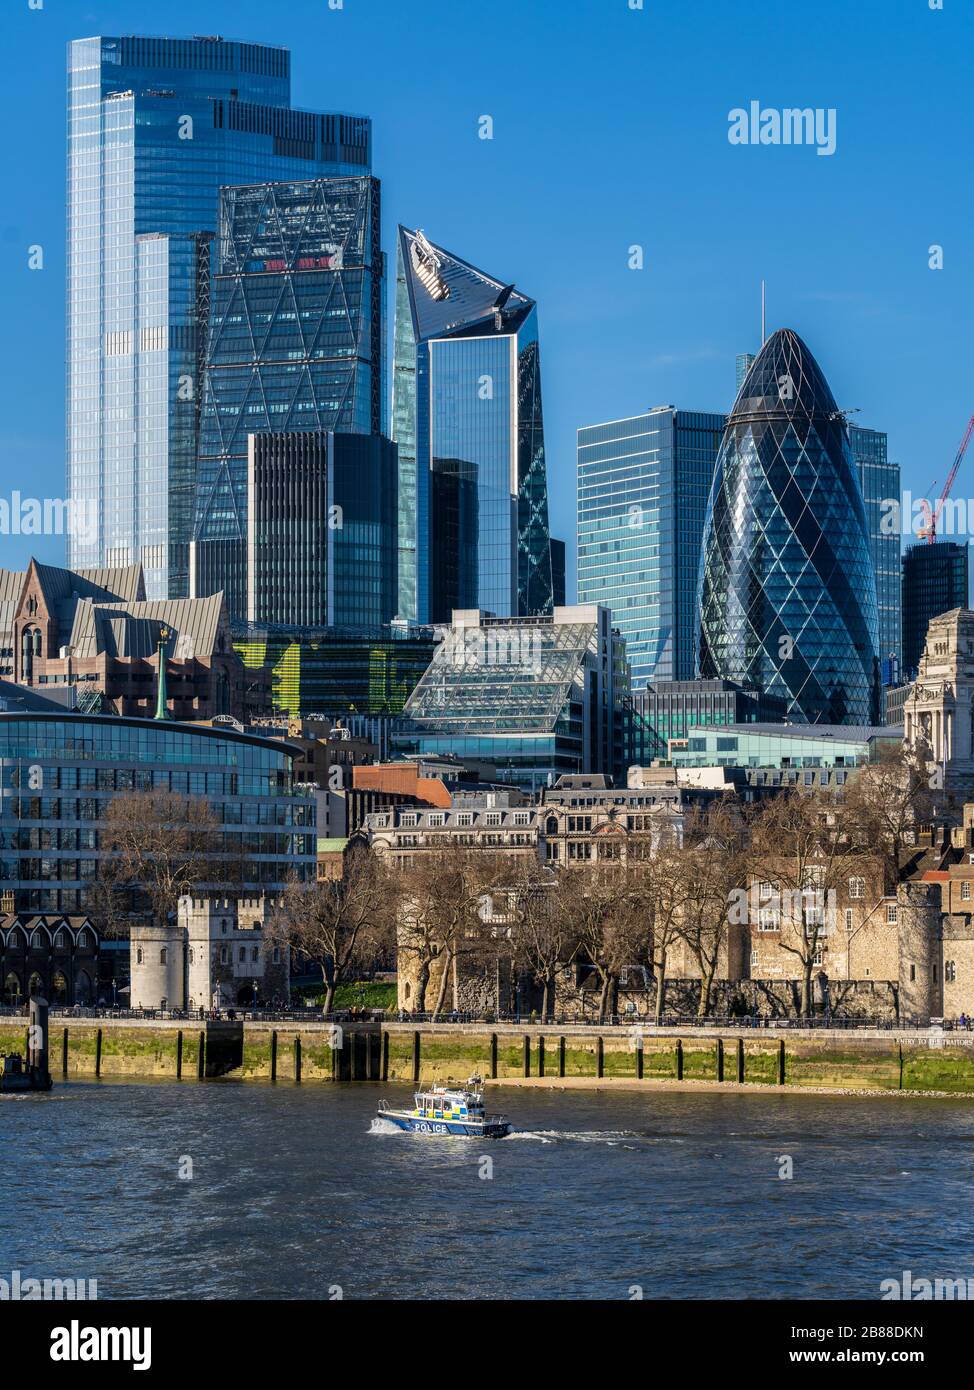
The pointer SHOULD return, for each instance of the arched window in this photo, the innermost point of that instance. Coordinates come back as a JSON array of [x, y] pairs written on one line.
[[82, 940], [138, 956], [192, 955], [164, 956], [255, 953]]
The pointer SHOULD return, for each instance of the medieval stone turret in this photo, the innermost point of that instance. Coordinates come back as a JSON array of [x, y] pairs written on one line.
[[918, 917]]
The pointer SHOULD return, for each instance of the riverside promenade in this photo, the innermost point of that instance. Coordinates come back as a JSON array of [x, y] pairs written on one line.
[[304, 1050]]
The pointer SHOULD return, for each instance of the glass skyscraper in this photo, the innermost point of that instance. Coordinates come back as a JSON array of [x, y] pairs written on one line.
[[295, 343], [880, 482], [468, 421], [322, 529], [935, 580], [787, 590], [643, 485], [155, 127]]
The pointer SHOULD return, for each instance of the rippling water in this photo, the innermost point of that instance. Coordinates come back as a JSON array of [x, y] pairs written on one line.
[[297, 1191]]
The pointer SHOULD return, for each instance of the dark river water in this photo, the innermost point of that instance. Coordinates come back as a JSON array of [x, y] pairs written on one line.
[[296, 1193]]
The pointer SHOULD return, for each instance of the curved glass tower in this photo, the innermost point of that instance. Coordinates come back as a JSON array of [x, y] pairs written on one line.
[[787, 593]]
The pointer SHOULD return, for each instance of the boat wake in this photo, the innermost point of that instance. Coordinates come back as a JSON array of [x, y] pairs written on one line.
[[611, 1137], [379, 1126]]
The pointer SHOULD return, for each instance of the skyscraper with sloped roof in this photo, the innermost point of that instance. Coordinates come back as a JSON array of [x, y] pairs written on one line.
[[468, 420]]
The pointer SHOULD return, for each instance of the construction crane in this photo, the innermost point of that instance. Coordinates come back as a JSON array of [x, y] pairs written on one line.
[[930, 532]]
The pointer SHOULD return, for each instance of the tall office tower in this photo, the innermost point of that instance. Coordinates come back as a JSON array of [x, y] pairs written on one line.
[[295, 343], [744, 363], [643, 485], [155, 126], [467, 416], [935, 581], [880, 482], [322, 529], [787, 590], [558, 577]]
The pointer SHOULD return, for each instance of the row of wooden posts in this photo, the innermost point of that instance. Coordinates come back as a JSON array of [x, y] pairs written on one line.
[[369, 1061], [200, 1059]]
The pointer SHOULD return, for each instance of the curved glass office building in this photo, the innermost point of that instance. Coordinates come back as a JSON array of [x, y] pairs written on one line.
[[787, 592], [59, 772]]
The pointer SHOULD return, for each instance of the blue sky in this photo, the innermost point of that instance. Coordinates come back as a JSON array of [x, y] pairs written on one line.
[[610, 130]]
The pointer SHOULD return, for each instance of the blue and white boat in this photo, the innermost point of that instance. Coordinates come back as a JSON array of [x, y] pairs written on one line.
[[445, 1111]]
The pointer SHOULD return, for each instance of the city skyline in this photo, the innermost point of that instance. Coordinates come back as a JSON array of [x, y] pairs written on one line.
[[868, 305]]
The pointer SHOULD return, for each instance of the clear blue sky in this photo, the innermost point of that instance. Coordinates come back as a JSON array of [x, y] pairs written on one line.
[[610, 129]]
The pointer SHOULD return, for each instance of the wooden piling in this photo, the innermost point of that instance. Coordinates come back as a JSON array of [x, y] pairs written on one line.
[[98, 1053], [740, 1061], [599, 1056], [639, 1057], [526, 1046], [273, 1054], [201, 1056], [417, 1056], [679, 1059], [561, 1057], [179, 1055], [297, 1058], [781, 1062], [64, 1052], [720, 1059], [540, 1055], [493, 1056], [385, 1057]]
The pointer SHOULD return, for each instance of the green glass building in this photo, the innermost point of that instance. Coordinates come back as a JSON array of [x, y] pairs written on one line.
[[336, 671]]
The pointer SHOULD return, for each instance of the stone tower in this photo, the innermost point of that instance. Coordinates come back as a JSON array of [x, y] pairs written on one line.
[[918, 918], [227, 954], [157, 967], [939, 712]]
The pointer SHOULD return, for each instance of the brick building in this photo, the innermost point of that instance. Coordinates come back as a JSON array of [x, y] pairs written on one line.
[[94, 632]]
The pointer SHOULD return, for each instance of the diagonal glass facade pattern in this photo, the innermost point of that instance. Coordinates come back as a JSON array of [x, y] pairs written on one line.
[[532, 698], [295, 344], [468, 419], [787, 593], [155, 128]]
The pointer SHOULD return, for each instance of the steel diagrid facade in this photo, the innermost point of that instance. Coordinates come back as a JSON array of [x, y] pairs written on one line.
[[787, 589], [155, 127], [295, 344]]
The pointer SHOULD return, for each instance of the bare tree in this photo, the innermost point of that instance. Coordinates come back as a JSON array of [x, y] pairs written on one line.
[[441, 919], [661, 887], [800, 852], [887, 800], [343, 924], [156, 848], [600, 909], [711, 868], [541, 938]]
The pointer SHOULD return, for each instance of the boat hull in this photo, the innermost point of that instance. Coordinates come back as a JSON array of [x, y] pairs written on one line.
[[469, 1129]]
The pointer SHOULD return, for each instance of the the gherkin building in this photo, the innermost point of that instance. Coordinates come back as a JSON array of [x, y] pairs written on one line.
[[787, 592]]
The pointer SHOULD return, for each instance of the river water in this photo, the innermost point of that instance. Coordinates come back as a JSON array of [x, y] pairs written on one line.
[[296, 1192]]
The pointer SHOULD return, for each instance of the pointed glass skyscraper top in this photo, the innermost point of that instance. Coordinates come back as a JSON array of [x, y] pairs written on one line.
[[468, 421], [787, 589]]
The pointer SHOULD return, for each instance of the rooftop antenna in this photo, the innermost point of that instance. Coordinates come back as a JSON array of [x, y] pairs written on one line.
[[764, 336]]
